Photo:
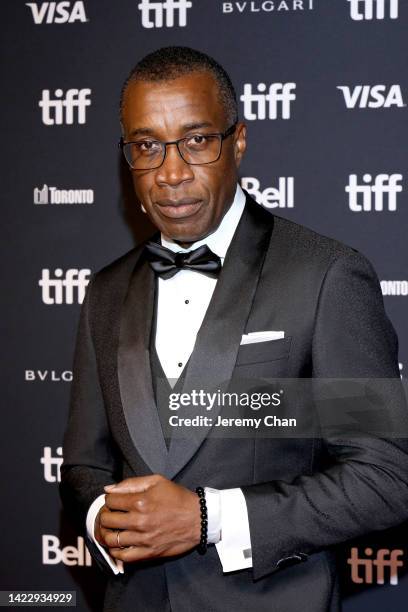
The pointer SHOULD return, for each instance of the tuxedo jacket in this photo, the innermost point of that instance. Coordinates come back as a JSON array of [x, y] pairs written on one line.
[[303, 495]]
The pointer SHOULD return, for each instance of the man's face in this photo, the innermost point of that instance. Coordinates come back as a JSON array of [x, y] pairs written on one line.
[[185, 202]]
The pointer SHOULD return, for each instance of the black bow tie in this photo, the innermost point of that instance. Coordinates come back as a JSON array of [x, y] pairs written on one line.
[[166, 263]]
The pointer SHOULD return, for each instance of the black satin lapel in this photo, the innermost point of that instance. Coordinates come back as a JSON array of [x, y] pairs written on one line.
[[213, 359], [134, 372]]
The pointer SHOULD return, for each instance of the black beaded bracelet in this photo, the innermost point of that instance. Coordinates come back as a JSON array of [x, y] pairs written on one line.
[[202, 547]]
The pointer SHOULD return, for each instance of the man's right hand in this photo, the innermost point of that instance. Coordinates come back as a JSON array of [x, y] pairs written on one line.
[[147, 517]]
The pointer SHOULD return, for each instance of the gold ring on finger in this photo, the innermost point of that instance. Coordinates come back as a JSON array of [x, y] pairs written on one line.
[[118, 539]]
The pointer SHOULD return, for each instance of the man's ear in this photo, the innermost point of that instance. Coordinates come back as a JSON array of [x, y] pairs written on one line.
[[239, 142]]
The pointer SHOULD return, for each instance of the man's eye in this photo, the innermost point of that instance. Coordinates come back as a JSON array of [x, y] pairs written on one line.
[[196, 141], [148, 146]]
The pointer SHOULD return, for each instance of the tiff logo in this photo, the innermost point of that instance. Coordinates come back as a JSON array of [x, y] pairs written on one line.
[[364, 9], [62, 290], [152, 13], [385, 558], [57, 12], [271, 197], [376, 96], [380, 186], [59, 111], [49, 462], [276, 103]]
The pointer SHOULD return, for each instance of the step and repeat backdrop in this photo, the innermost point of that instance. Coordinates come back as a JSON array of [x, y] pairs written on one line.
[[322, 86]]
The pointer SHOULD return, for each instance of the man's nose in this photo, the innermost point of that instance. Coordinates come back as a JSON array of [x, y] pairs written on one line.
[[174, 170]]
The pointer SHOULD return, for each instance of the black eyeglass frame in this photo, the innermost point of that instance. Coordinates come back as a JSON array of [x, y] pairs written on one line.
[[222, 135]]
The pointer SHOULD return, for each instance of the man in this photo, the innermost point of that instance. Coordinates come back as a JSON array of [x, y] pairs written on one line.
[[249, 296]]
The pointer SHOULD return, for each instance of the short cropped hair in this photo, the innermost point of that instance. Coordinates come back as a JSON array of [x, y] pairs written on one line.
[[169, 63]]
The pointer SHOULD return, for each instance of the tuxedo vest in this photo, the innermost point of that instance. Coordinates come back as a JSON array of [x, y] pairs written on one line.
[[161, 386]]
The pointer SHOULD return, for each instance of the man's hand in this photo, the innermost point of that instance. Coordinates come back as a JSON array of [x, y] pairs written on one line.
[[157, 518]]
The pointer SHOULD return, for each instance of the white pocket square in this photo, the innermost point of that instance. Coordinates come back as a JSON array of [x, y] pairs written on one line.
[[261, 336]]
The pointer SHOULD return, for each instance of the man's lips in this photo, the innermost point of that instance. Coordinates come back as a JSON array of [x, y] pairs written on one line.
[[177, 209]]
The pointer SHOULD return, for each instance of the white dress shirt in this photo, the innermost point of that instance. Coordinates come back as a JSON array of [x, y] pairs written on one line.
[[181, 306]]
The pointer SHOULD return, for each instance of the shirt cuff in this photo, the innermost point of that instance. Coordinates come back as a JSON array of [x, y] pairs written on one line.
[[115, 564], [212, 499], [234, 547]]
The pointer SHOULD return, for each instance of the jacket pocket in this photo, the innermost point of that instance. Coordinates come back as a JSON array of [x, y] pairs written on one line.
[[263, 351]]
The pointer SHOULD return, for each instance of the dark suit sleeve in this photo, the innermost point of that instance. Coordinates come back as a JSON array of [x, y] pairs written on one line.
[[365, 486], [90, 457]]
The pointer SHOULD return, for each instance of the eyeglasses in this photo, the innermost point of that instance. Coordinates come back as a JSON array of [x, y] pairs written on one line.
[[196, 150]]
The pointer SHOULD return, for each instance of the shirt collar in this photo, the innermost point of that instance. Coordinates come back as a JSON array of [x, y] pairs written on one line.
[[220, 239]]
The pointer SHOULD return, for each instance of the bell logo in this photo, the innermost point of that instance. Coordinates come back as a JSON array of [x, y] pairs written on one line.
[[153, 12], [276, 103], [52, 465], [271, 197], [373, 9], [52, 553], [57, 12], [376, 96], [385, 559], [60, 289], [61, 110], [380, 186]]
